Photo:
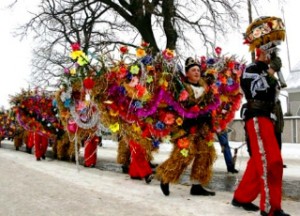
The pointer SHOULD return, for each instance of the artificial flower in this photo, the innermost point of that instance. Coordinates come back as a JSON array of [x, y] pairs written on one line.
[[122, 72], [140, 52], [159, 125], [183, 143], [75, 46], [76, 54], [168, 118], [134, 69], [124, 49], [179, 121], [73, 71], [168, 54], [113, 112], [83, 59], [149, 79], [145, 44], [114, 127], [184, 152], [155, 143], [218, 51], [183, 95], [88, 83], [141, 90]]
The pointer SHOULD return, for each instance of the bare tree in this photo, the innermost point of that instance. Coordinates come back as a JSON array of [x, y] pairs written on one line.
[[103, 24]]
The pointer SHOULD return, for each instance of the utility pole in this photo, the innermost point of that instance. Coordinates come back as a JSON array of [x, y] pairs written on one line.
[[250, 21]]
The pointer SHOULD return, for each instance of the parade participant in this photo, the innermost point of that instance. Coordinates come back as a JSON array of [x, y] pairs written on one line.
[[40, 143], [223, 140], [29, 141], [90, 150], [195, 132], [263, 174]]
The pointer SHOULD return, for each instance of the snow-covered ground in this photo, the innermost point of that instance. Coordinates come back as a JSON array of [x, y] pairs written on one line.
[[53, 187]]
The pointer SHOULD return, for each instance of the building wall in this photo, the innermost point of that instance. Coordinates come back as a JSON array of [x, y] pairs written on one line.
[[291, 132], [294, 103]]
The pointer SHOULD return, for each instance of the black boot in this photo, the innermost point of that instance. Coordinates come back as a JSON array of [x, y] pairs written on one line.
[[125, 169], [148, 178], [197, 189], [28, 150], [247, 206], [165, 188], [233, 171], [276, 213]]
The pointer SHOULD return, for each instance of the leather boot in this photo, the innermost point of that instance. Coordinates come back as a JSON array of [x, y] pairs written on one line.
[[197, 189]]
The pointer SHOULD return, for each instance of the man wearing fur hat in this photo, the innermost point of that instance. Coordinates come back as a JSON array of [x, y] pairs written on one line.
[[263, 174], [191, 145]]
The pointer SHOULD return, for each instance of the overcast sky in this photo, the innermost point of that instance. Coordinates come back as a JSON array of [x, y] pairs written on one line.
[[16, 55]]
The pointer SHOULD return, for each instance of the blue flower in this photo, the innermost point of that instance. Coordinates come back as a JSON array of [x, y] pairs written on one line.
[[147, 60], [159, 125], [155, 143], [67, 102], [210, 61], [129, 76], [122, 90], [218, 83], [229, 81], [54, 103], [137, 104]]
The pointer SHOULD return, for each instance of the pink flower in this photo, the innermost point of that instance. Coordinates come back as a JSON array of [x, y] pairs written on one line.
[[183, 95]]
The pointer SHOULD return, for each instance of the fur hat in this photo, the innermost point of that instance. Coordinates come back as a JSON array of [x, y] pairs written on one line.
[[190, 62], [265, 33]]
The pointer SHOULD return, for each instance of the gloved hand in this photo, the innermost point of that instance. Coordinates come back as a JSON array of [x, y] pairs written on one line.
[[275, 63]]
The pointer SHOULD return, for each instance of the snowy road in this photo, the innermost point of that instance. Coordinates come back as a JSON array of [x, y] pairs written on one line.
[[52, 187]]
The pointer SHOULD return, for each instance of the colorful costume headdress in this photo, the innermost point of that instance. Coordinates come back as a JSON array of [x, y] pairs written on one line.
[[265, 33]]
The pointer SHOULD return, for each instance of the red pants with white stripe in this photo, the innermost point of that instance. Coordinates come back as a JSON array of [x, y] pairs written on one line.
[[263, 174]]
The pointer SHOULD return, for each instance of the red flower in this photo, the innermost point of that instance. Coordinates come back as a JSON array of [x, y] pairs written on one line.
[[123, 49], [218, 50], [183, 143], [88, 83], [75, 46], [195, 109], [231, 65], [140, 90], [145, 44]]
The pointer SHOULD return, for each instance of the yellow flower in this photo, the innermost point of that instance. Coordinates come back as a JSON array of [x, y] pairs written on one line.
[[210, 143], [179, 121], [75, 54], [114, 127], [82, 60], [149, 79], [136, 128], [113, 113], [73, 71], [140, 52], [184, 152], [134, 69]]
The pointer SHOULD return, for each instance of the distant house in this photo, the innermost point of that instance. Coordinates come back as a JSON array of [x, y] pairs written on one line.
[[293, 89]]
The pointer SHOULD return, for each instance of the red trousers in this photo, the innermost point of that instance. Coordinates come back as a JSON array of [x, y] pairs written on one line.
[[139, 166], [30, 142], [90, 151], [263, 174], [40, 143]]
